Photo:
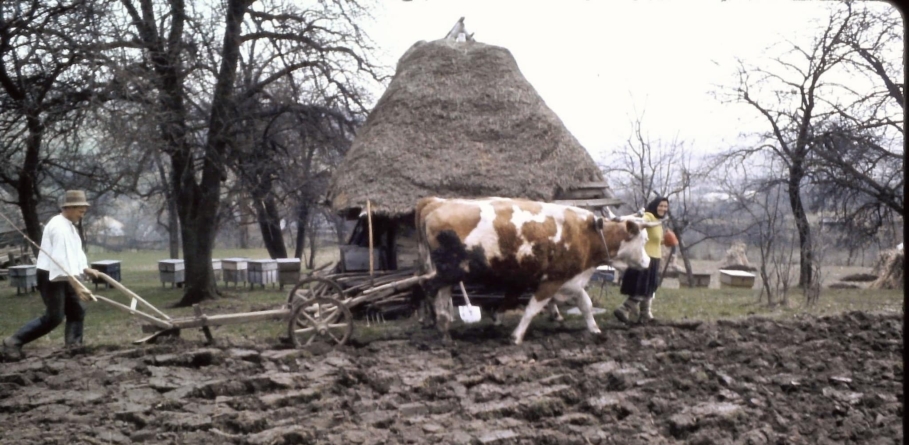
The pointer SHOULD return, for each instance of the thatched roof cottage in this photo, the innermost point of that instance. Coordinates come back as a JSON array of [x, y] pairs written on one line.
[[458, 120]]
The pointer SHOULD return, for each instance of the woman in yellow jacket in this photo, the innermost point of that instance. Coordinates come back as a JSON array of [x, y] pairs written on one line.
[[640, 285]]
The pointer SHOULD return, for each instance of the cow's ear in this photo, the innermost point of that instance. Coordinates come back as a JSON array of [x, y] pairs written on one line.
[[632, 227]]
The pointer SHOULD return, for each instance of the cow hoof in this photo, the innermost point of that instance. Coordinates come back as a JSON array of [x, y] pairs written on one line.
[[596, 331], [518, 341]]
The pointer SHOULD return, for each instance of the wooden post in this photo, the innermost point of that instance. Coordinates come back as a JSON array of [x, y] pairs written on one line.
[[369, 226]]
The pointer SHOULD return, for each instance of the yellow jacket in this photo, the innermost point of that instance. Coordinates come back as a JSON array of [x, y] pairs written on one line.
[[655, 237]]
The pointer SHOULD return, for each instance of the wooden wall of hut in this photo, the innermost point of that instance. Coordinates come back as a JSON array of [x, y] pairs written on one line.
[[394, 245]]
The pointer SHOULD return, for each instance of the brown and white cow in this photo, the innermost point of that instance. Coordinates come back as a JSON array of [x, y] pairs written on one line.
[[514, 245]]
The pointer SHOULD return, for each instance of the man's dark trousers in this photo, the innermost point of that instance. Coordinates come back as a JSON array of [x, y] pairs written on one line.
[[60, 300]]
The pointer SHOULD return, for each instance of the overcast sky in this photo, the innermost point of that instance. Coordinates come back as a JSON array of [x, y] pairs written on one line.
[[598, 64]]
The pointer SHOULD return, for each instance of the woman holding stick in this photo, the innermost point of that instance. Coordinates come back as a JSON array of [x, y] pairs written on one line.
[[640, 285]]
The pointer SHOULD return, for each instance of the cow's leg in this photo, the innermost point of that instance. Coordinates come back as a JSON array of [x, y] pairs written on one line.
[[495, 315], [554, 313], [586, 307], [539, 300], [443, 309], [509, 301]]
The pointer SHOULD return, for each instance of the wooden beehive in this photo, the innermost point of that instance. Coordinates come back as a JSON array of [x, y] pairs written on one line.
[[736, 278], [23, 278], [110, 268], [604, 274], [262, 272], [216, 268], [288, 271], [171, 271], [234, 270], [700, 279]]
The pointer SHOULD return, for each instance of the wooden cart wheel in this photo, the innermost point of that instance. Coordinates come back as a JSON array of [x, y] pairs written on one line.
[[318, 314], [310, 287]]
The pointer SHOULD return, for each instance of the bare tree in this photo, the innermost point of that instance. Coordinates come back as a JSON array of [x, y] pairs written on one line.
[[859, 150], [46, 87], [653, 168], [756, 206], [802, 93], [171, 39]]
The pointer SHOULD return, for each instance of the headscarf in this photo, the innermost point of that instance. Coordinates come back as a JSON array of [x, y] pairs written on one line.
[[652, 207]]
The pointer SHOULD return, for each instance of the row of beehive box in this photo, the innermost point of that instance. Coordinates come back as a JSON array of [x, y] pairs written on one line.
[[279, 271], [26, 276], [730, 278]]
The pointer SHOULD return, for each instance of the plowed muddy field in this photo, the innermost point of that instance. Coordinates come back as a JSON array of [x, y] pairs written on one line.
[[825, 380]]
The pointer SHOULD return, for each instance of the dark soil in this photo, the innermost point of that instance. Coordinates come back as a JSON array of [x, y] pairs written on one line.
[[831, 380]]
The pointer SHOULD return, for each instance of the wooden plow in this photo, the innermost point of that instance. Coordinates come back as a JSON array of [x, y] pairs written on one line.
[[318, 308]]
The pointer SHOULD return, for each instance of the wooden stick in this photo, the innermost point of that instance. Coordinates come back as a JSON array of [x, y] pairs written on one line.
[[156, 321], [130, 293], [369, 224]]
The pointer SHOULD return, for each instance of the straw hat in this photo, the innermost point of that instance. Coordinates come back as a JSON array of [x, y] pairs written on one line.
[[75, 198]]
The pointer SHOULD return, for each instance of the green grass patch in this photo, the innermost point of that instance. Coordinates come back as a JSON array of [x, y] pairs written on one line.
[[106, 325], [712, 304]]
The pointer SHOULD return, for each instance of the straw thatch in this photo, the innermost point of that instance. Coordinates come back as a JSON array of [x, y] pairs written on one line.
[[890, 270], [458, 120], [737, 258]]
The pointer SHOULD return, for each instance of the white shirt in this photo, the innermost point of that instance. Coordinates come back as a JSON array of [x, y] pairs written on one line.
[[61, 240]]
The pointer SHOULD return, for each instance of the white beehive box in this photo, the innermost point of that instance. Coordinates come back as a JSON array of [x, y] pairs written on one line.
[[288, 271], [262, 272], [216, 268], [234, 270], [171, 271], [736, 278], [23, 277], [700, 279], [235, 263]]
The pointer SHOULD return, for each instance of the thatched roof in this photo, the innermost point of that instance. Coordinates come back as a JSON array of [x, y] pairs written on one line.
[[458, 120]]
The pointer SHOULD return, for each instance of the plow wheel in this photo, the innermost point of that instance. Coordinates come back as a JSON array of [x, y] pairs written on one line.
[[317, 314]]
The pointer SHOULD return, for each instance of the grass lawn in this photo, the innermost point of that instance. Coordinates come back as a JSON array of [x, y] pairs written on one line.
[[106, 325]]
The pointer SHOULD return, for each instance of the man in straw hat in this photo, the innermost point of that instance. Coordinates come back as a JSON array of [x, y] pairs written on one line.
[[60, 257]]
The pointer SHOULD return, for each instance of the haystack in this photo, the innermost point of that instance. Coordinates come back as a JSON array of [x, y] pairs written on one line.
[[459, 120], [889, 270], [737, 258]]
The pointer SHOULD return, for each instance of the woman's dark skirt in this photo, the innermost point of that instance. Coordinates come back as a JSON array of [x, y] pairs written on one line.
[[641, 283]]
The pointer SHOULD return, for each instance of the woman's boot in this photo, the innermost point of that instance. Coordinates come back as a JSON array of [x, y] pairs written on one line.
[[646, 315], [626, 311]]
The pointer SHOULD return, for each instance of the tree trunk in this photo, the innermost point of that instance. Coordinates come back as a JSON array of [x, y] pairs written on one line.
[[242, 224], [302, 221], [173, 229], [311, 264], [806, 257], [173, 222], [199, 203], [27, 186], [270, 225]]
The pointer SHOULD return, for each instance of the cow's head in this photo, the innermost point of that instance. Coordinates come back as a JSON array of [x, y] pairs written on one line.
[[630, 238]]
